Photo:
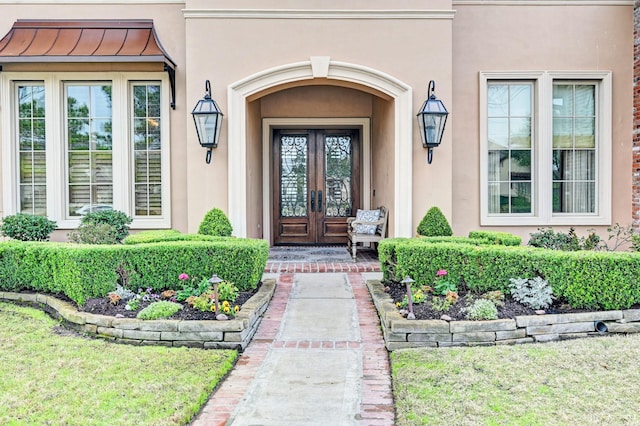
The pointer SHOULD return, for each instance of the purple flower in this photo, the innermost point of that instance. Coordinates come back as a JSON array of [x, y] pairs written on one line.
[[441, 273], [183, 277]]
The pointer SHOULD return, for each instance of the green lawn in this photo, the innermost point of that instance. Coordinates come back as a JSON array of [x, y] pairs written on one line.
[[591, 381], [49, 378]]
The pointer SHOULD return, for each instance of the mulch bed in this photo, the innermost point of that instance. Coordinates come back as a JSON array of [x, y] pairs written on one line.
[[103, 306], [456, 312]]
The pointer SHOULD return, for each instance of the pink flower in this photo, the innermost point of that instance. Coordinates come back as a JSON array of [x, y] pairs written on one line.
[[441, 273], [183, 277]]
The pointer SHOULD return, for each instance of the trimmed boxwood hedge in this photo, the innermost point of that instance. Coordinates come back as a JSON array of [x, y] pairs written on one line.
[[84, 271], [496, 237], [585, 279]]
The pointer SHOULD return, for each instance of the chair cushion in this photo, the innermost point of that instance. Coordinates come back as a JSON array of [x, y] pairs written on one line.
[[367, 216]]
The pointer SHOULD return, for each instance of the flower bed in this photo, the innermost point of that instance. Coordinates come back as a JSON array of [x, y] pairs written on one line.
[[235, 333], [400, 333]]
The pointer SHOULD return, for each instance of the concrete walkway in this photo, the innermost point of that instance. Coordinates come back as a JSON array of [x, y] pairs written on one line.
[[318, 358]]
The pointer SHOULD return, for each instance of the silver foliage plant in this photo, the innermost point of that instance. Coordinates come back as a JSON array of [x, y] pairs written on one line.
[[535, 293]]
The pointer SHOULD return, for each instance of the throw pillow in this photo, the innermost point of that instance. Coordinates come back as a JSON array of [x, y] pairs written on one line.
[[367, 216]]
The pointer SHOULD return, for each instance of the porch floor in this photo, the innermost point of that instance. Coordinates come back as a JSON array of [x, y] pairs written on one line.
[[320, 259]]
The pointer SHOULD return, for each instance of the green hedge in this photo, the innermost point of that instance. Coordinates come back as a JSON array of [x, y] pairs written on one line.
[[585, 279], [496, 237], [84, 271], [157, 236]]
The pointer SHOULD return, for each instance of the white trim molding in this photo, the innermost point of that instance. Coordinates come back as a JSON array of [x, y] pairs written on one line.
[[317, 14], [401, 94]]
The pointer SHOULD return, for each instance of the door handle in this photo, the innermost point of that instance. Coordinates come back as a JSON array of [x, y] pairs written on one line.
[[313, 201], [319, 201]]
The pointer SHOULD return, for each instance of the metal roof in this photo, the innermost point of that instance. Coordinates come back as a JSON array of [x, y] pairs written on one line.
[[82, 41]]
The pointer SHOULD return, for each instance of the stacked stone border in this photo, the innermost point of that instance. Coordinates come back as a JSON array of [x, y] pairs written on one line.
[[400, 333], [235, 333]]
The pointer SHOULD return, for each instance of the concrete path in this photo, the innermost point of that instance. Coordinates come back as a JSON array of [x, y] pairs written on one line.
[[318, 358]]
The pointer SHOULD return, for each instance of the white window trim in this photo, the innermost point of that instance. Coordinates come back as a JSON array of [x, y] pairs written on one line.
[[56, 151], [542, 214]]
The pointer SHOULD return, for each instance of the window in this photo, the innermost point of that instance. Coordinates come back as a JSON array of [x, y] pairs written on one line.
[[546, 144], [84, 144]]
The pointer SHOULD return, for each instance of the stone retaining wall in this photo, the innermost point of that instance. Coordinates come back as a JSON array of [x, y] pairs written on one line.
[[401, 333], [235, 333]]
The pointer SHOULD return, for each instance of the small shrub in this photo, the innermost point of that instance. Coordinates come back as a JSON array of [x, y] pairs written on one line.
[[441, 304], [535, 293], [434, 224], [94, 233], [123, 293], [497, 297], [27, 227], [548, 238], [482, 309], [215, 223], [156, 310], [118, 220], [227, 291]]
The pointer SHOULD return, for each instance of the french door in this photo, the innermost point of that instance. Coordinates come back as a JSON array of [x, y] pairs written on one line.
[[316, 185]]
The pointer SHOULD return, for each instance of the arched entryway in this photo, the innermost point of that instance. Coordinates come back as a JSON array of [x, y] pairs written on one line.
[[240, 95]]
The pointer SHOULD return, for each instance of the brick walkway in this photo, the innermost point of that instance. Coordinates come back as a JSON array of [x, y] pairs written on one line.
[[376, 400]]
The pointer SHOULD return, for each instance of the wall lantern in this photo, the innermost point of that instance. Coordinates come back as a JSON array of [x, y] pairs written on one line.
[[208, 119], [431, 120]]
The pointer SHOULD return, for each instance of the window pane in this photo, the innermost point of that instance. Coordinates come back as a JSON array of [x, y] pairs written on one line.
[[498, 133], [89, 144], [498, 100], [147, 149], [574, 166], [494, 198], [520, 100], [585, 133], [520, 197], [520, 132], [562, 133], [79, 168], [562, 100], [520, 165], [31, 140], [585, 100], [101, 167], [338, 176]]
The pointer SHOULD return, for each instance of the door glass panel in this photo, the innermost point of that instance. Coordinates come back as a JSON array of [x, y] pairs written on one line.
[[338, 176], [294, 177]]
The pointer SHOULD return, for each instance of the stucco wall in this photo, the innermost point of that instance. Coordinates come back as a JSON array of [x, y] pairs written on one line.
[[382, 158], [230, 42], [537, 38], [243, 46]]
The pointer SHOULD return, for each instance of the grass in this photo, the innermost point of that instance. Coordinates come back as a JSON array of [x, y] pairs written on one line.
[[591, 381], [49, 378]]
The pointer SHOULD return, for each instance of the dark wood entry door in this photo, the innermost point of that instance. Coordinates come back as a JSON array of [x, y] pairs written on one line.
[[316, 185]]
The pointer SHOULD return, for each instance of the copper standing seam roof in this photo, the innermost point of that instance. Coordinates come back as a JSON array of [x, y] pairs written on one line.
[[98, 40], [83, 41]]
